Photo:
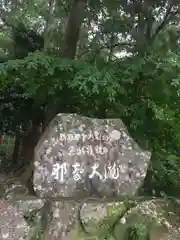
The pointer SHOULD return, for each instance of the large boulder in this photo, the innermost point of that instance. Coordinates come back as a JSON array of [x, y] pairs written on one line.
[[160, 216], [63, 220], [16, 220], [82, 157], [157, 218]]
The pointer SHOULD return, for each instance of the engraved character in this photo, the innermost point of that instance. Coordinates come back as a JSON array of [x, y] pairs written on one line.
[[96, 135], [95, 172], [77, 136], [55, 170], [96, 149], [83, 150], [89, 136], [113, 171], [100, 149], [78, 151], [89, 150], [77, 171], [105, 150], [70, 137], [71, 151], [84, 136], [59, 171]]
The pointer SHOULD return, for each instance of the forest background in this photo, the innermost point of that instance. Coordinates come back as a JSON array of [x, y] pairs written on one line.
[[98, 58]]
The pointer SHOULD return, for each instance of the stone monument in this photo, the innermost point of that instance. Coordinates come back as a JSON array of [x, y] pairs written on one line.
[[79, 157]]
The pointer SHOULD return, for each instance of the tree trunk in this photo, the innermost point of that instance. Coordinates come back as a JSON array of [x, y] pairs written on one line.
[[74, 23], [30, 140], [48, 24], [75, 19], [16, 148]]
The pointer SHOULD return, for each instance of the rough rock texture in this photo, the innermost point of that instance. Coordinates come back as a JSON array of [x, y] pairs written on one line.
[[161, 219], [64, 217], [13, 225], [16, 216], [11, 187], [160, 216], [85, 157]]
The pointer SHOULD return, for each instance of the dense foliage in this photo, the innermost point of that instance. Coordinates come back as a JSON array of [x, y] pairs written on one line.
[[124, 63]]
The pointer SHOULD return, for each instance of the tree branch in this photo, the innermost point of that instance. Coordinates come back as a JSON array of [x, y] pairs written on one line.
[[168, 16]]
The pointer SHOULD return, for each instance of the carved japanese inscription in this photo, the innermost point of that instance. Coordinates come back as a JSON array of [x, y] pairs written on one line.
[[110, 171], [80, 156]]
